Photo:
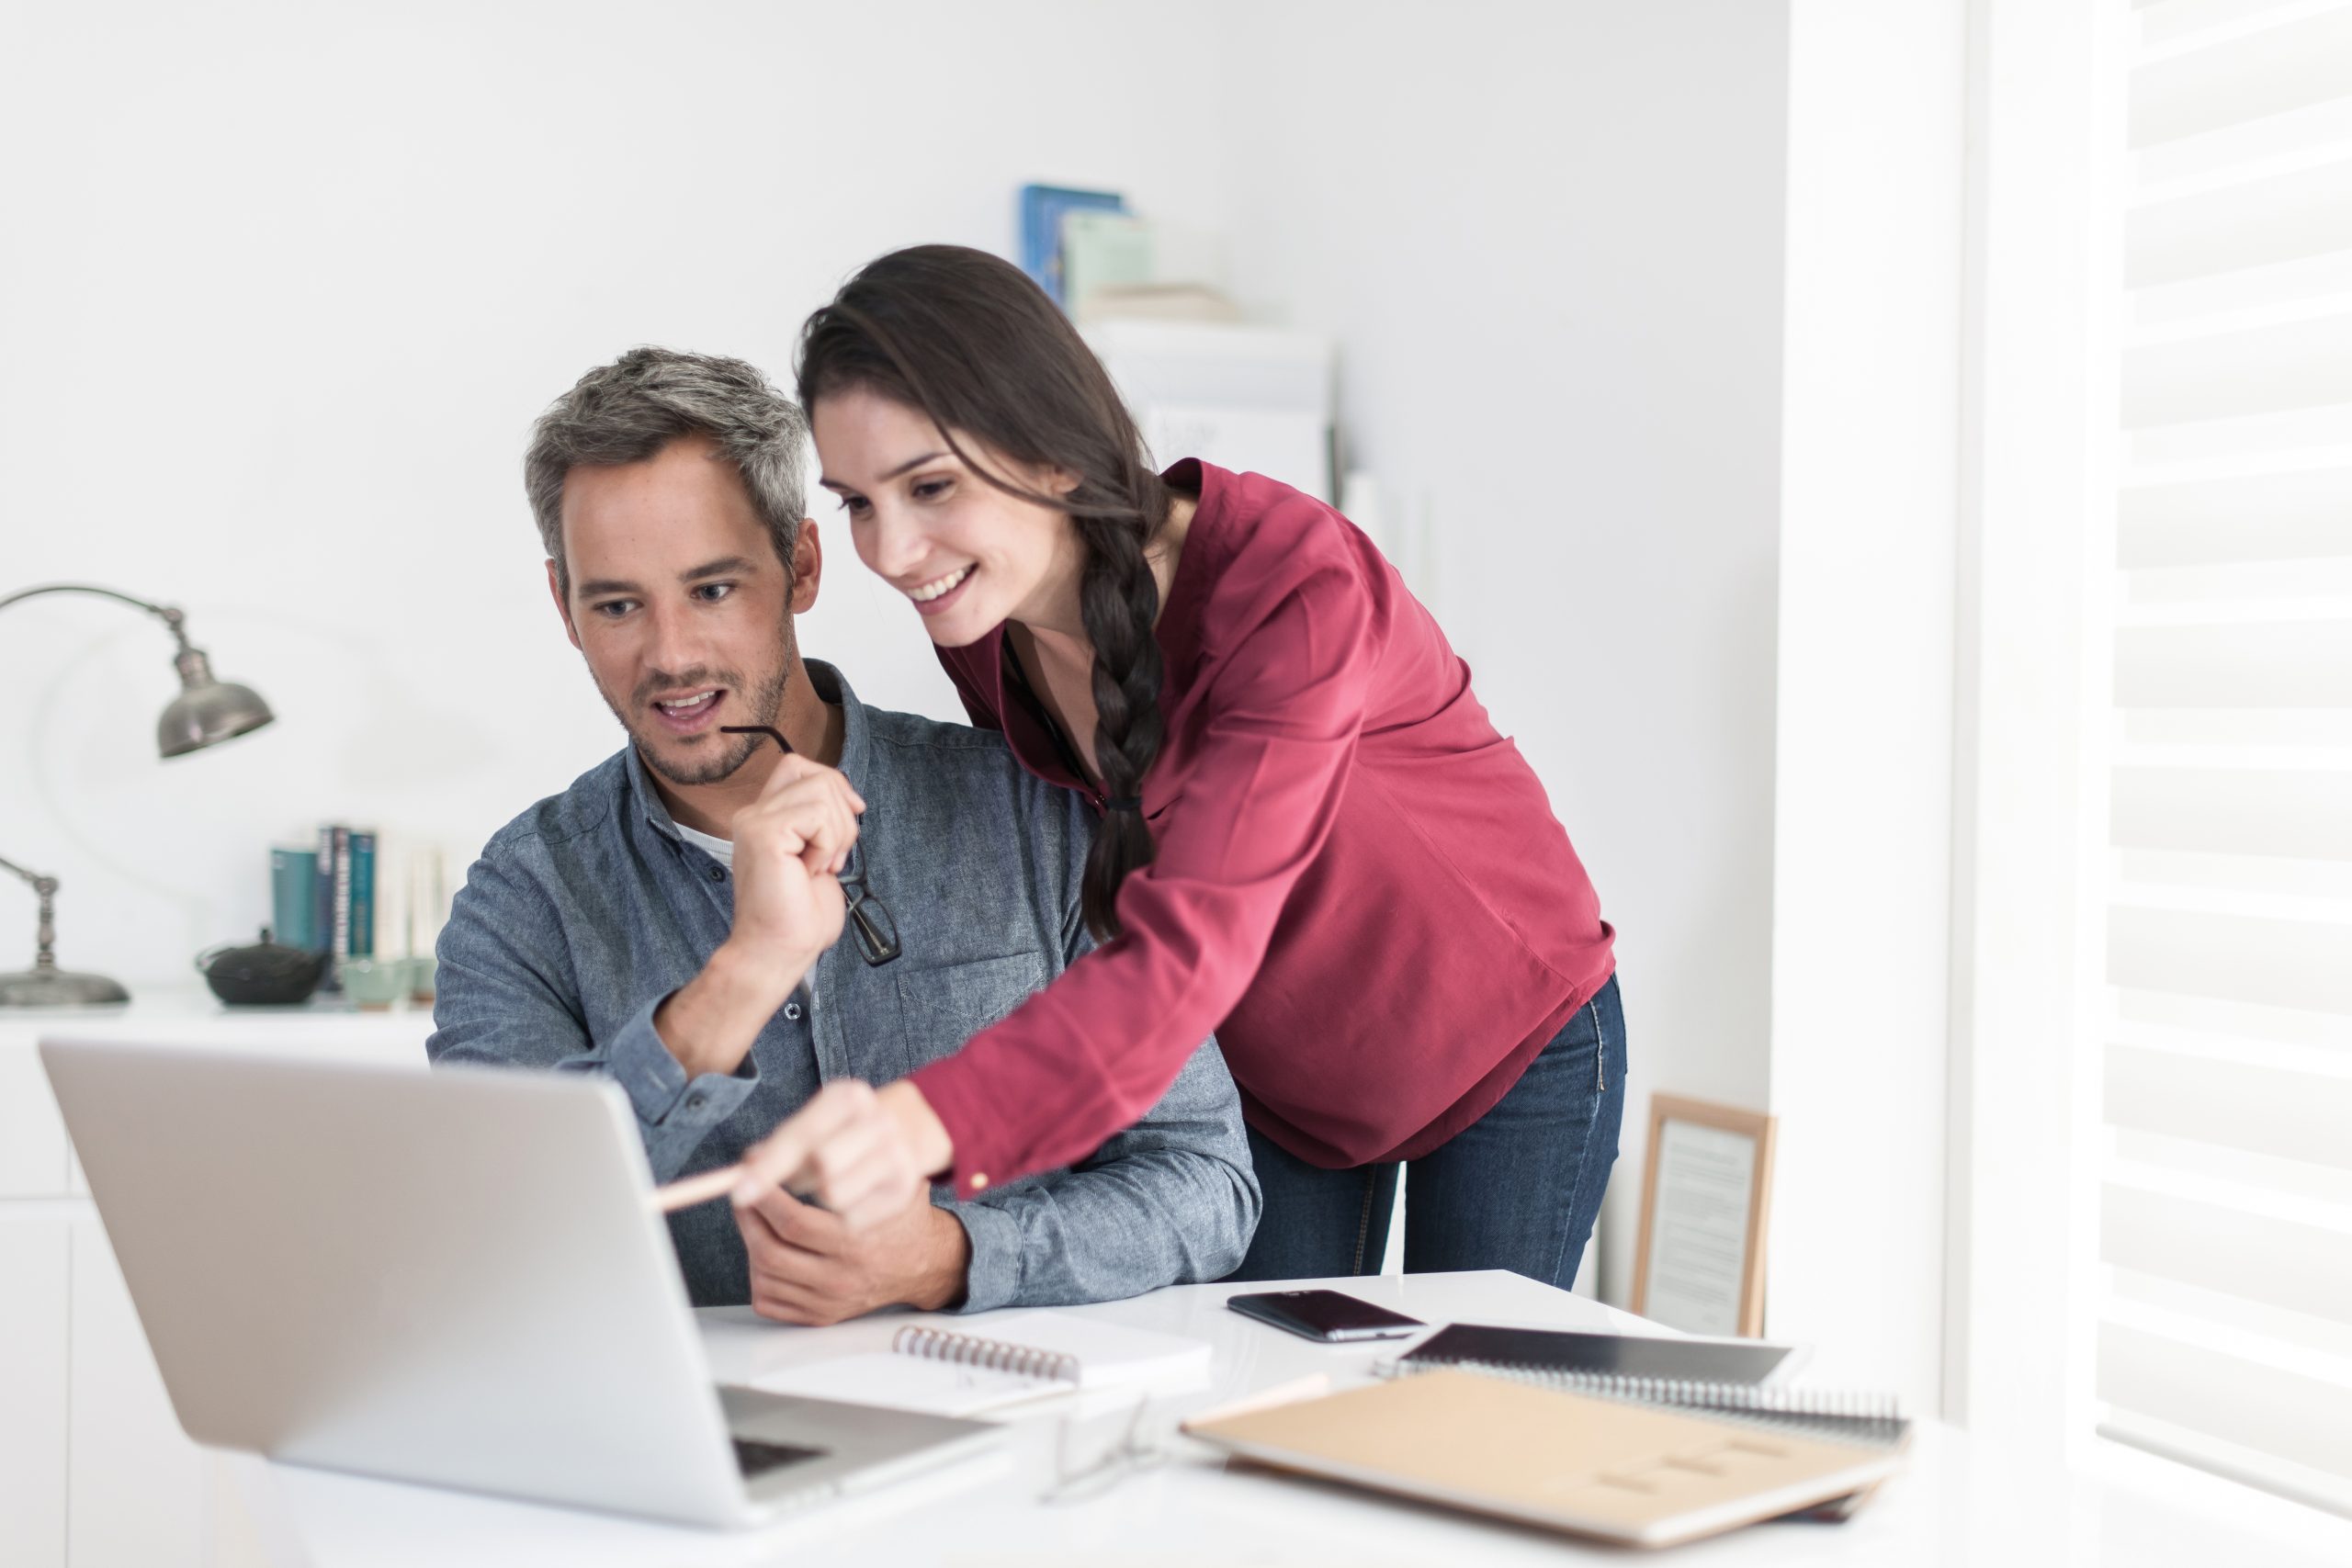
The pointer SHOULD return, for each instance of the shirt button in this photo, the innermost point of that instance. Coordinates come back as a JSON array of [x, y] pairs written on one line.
[[979, 1183], [792, 1012], [694, 1100], [718, 873]]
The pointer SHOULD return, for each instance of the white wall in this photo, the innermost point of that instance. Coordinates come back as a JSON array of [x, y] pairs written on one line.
[[280, 291], [1548, 240], [1861, 909]]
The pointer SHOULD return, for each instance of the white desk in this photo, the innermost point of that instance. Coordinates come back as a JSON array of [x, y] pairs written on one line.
[[1954, 1508]]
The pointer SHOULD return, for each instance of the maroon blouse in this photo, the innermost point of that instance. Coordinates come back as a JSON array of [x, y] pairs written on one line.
[[1359, 886]]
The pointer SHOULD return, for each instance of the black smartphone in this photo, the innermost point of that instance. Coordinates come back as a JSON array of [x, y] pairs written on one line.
[[1326, 1316]]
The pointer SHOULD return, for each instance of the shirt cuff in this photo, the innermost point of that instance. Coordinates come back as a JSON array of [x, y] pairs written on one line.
[[992, 1278], [675, 1113], [952, 1096]]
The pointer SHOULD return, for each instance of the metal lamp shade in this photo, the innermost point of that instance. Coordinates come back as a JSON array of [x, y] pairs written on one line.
[[207, 711]]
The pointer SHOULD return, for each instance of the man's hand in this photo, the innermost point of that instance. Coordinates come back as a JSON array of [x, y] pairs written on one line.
[[788, 906], [790, 843], [809, 1268]]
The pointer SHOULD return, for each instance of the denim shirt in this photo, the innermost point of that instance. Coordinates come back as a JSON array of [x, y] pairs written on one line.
[[589, 909]]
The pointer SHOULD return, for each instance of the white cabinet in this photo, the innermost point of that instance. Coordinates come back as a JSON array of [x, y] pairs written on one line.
[[35, 1260], [95, 1471], [137, 1494]]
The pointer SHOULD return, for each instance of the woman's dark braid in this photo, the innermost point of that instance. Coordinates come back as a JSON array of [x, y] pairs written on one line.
[[1118, 600]]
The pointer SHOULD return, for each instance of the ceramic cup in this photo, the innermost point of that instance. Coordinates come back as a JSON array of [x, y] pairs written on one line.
[[373, 985]]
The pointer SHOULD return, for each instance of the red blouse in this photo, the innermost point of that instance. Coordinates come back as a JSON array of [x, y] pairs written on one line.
[[1359, 885]]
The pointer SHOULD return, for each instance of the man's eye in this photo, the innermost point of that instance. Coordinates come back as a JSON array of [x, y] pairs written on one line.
[[614, 609], [712, 592]]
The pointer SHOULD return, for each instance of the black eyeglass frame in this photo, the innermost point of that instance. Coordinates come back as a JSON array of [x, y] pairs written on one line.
[[877, 930]]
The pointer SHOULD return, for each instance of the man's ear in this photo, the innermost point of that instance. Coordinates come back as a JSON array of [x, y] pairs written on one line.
[[555, 591], [807, 567]]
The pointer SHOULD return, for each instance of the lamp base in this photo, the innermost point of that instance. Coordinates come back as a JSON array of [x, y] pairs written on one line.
[[57, 988]]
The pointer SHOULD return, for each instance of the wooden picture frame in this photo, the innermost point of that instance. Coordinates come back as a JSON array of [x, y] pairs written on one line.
[[1711, 1188]]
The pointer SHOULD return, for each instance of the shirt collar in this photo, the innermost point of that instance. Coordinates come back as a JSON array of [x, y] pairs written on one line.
[[831, 687]]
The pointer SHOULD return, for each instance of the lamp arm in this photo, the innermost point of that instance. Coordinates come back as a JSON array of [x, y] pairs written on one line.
[[45, 927], [168, 615], [34, 877]]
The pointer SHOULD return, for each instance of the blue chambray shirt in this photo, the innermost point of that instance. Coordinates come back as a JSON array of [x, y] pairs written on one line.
[[586, 911]]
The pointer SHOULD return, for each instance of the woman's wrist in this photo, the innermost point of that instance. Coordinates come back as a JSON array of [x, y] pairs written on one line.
[[924, 1134]]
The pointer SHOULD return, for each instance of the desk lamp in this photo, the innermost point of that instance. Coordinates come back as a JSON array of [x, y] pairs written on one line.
[[207, 711]]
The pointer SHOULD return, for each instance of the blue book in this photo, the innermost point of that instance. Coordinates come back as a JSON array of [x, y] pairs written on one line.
[[294, 897], [1041, 229]]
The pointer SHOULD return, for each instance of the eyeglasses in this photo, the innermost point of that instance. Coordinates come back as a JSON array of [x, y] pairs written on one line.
[[1076, 1480], [878, 932]]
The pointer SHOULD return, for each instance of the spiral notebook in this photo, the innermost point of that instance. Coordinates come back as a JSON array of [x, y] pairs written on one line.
[[1021, 1358], [1712, 1377]]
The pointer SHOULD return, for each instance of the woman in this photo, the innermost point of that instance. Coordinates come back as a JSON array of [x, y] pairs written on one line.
[[1311, 840]]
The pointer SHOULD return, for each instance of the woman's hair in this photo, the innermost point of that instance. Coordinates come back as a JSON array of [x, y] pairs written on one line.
[[970, 341]]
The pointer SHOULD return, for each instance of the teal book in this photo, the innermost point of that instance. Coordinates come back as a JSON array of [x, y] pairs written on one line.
[[294, 897], [363, 895]]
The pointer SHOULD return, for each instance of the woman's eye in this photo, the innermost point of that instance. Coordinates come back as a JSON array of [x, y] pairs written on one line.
[[855, 505], [932, 489]]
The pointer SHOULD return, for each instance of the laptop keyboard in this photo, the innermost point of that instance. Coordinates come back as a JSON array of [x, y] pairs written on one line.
[[755, 1457]]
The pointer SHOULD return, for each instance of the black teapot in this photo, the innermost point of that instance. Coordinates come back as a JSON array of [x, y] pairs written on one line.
[[268, 974]]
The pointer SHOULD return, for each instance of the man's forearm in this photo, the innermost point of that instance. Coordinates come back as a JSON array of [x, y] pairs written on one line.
[[710, 1023]]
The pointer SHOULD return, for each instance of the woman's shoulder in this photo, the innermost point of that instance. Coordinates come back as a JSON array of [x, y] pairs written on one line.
[[1260, 542]]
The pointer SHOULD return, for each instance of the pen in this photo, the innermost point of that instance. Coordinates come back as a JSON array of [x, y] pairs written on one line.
[[687, 1191]]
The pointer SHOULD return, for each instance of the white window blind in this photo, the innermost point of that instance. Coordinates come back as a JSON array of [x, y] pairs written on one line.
[[2225, 1332]]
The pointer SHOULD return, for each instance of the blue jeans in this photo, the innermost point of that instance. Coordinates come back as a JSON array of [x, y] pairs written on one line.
[[1518, 1189]]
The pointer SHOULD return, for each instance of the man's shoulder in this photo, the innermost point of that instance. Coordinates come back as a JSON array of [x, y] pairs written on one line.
[[916, 732], [585, 808], [919, 750]]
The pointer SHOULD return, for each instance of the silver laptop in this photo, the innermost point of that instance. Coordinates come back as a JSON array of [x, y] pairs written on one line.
[[451, 1277]]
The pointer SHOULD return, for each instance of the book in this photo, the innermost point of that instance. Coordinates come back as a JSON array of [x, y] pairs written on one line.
[[1621, 1472], [363, 895], [1616, 1355], [324, 933], [294, 897], [1042, 207], [1027, 1356], [1720, 1377], [341, 929]]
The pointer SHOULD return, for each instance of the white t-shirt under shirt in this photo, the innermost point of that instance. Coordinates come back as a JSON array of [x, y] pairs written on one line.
[[720, 850]]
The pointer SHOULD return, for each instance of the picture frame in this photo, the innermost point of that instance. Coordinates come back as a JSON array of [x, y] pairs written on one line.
[[1706, 1193]]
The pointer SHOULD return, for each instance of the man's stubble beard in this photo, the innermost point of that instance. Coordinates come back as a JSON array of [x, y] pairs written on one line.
[[766, 702]]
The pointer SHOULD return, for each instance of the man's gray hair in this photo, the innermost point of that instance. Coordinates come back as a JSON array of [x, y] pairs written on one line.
[[630, 410]]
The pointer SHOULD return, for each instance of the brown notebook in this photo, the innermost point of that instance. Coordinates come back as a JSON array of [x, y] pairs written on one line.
[[1592, 1467]]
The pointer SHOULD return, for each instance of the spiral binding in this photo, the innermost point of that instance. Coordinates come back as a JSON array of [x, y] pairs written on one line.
[[1845, 1414], [993, 1355]]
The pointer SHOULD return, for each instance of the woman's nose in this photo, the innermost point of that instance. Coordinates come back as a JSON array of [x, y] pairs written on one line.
[[895, 546]]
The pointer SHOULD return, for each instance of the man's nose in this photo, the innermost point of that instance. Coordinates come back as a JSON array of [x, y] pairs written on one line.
[[676, 645]]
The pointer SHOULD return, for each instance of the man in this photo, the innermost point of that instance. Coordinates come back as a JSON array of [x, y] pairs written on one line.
[[675, 918]]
